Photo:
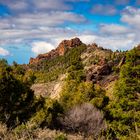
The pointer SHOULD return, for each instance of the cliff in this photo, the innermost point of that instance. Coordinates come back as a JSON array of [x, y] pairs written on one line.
[[62, 48]]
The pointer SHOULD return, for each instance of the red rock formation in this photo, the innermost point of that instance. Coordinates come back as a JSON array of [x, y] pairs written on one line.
[[60, 50]]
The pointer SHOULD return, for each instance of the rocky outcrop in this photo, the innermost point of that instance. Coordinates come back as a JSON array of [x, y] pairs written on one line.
[[62, 48], [96, 72], [67, 44], [51, 89]]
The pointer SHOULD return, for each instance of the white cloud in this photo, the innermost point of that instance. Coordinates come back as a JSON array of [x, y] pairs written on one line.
[[18, 5], [14, 36], [51, 5], [104, 9], [121, 36], [88, 39], [4, 52], [49, 27], [39, 25], [114, 29], [131, 16], [47, 19], [35, 5], [122, 2], [114, 43], [41, 47], [77, 0], [111, 42]]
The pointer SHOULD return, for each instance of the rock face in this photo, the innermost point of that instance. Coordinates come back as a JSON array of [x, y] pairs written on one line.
[[51, 89], [96, 73], [60, 50]]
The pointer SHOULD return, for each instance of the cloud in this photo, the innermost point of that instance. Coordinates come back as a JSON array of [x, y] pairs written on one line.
[[48, 19], [51, 5], [88, 39], [5, 24], [122, 2], [29, 26], [15, 5], [114, 43], [19, 36], [121, 36], [104, 9], [131, 16], [41, 19], [18, 5], [41, 47], [111, 42], [4, 52], [113, 29], [77, 0], [138, 2], [34, 5]]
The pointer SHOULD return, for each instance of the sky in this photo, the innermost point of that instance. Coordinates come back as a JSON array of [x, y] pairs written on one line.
[[32, 27]]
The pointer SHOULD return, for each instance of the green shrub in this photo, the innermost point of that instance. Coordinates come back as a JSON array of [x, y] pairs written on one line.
[[61, 137], [47, 116]]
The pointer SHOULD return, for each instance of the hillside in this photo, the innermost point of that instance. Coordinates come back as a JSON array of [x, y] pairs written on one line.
[[98, 65], [73, 92], [62, 48]]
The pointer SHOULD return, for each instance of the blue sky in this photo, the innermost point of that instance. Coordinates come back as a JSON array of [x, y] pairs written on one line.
[[31, 27]]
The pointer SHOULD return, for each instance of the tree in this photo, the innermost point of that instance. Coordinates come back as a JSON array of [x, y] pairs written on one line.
[[124, 110], [3, 63], [16, 99]]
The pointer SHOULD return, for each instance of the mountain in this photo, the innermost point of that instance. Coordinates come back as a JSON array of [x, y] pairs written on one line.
[[89, 73], [73, 92], [62, 48], [52, 66]]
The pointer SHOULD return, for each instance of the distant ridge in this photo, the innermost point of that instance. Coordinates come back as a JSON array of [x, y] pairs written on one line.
[[60, 50]]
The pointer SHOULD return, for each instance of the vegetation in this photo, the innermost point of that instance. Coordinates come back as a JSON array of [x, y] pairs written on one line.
[[80, 100], [49, 70], [84, 118], [17, 101], [124, 110], [83, 107]]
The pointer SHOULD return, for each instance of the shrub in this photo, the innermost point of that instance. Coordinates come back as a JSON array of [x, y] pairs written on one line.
[[61, 137], [84, 118], [47, 116]]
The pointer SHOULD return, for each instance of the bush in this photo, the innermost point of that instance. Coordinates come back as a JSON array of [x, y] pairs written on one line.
[[84, 118], [61, 137], [47, 116]]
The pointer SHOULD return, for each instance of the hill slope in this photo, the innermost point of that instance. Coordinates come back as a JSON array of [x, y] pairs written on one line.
[[80, 92], [98, 63], [90, 73]]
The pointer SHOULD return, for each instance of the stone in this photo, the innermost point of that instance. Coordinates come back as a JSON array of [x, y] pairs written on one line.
[[62, 48]]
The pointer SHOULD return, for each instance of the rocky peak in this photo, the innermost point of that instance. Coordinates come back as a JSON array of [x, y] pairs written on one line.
[[62, 48], [67, 44]]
